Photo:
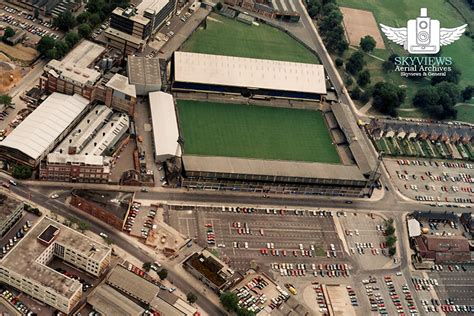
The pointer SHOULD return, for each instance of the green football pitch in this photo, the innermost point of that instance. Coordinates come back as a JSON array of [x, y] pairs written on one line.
[[261, 132], [225, 36]]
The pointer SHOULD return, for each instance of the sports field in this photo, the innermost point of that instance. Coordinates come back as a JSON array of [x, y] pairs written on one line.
[[225, 36], [234, 130]]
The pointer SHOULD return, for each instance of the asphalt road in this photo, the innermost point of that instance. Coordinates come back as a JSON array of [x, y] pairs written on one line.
[[116, 236]]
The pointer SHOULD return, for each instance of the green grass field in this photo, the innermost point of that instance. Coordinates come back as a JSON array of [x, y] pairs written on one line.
[[225, 36], [396, 13], [466, 112], [233, 130]]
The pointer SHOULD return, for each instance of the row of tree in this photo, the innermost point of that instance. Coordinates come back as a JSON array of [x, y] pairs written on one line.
[[9, 32], [390, 237], [330, 24]]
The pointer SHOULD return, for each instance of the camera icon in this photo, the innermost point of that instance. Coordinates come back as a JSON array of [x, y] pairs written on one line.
[[423, 34]]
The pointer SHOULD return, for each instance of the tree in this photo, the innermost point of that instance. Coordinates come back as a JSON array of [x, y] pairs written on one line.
[[355, 62], [9, 32], [21, 172], [327, 8], [244, 312], [229, 300], [84, 30], [36, 13], [146, 266], [467, 93], [451, 76], [61, 48], [392, 251], [46, 43], [5, 99], [348, 81], [390, 230], [83, 17], [339, 62], [52, 53], [363, 78], [191, 297], [367, 43], [387, 97], [391, 240], [72, 38], [356, 93], [65, 21], [313, 12], [94, 19], [219, 6], [388, 66], [163, 274]]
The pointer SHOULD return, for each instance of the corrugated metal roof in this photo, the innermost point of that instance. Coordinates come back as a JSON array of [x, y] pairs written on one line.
[[272, 168], [249, 72], [165, 125], [42, 127]]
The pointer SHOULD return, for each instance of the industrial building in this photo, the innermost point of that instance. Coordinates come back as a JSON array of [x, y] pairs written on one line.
[[10, 212], [247, 76], [442, 250], [144, 73], [75, 168], [107, 301], [43, 129], [48, 7], [210, 270], [130, 28], [25, 267], [165, 126], [84, 71]]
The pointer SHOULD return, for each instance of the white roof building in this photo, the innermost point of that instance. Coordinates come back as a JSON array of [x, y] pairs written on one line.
[[165, 126], [83, 132], [414, 227], [248, 73], [120, 84], [108, 135], [45, 127]]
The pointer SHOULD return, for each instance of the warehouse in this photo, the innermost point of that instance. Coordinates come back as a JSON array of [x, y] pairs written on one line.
[[247, 76], [144, 74], [43, 129], [165, 126]]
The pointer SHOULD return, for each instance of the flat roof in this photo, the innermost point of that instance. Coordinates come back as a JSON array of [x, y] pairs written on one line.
[[22, 258], [108, 135], [48, 234], [84, 54], [165, 124], [80, 75], [279, 168], [7, 206], [76, 159], [143, 71], [44, 125], [120, 83], [133, 283], [208, 267], [414, 228], [248, 72], [164, 307], [154, 5], [108, 301], [85, 130], [136, 17]]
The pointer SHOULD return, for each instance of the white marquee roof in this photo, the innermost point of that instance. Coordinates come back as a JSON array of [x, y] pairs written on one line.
[[249, 72], [45, 124], [165, 124]]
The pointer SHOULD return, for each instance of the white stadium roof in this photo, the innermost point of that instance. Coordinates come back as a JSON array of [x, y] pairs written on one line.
[[165, 126], [249, 72], [44, 125]]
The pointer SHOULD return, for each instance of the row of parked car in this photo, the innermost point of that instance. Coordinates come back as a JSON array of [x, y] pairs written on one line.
[[12, 241], [17, 303], [248, 296]]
